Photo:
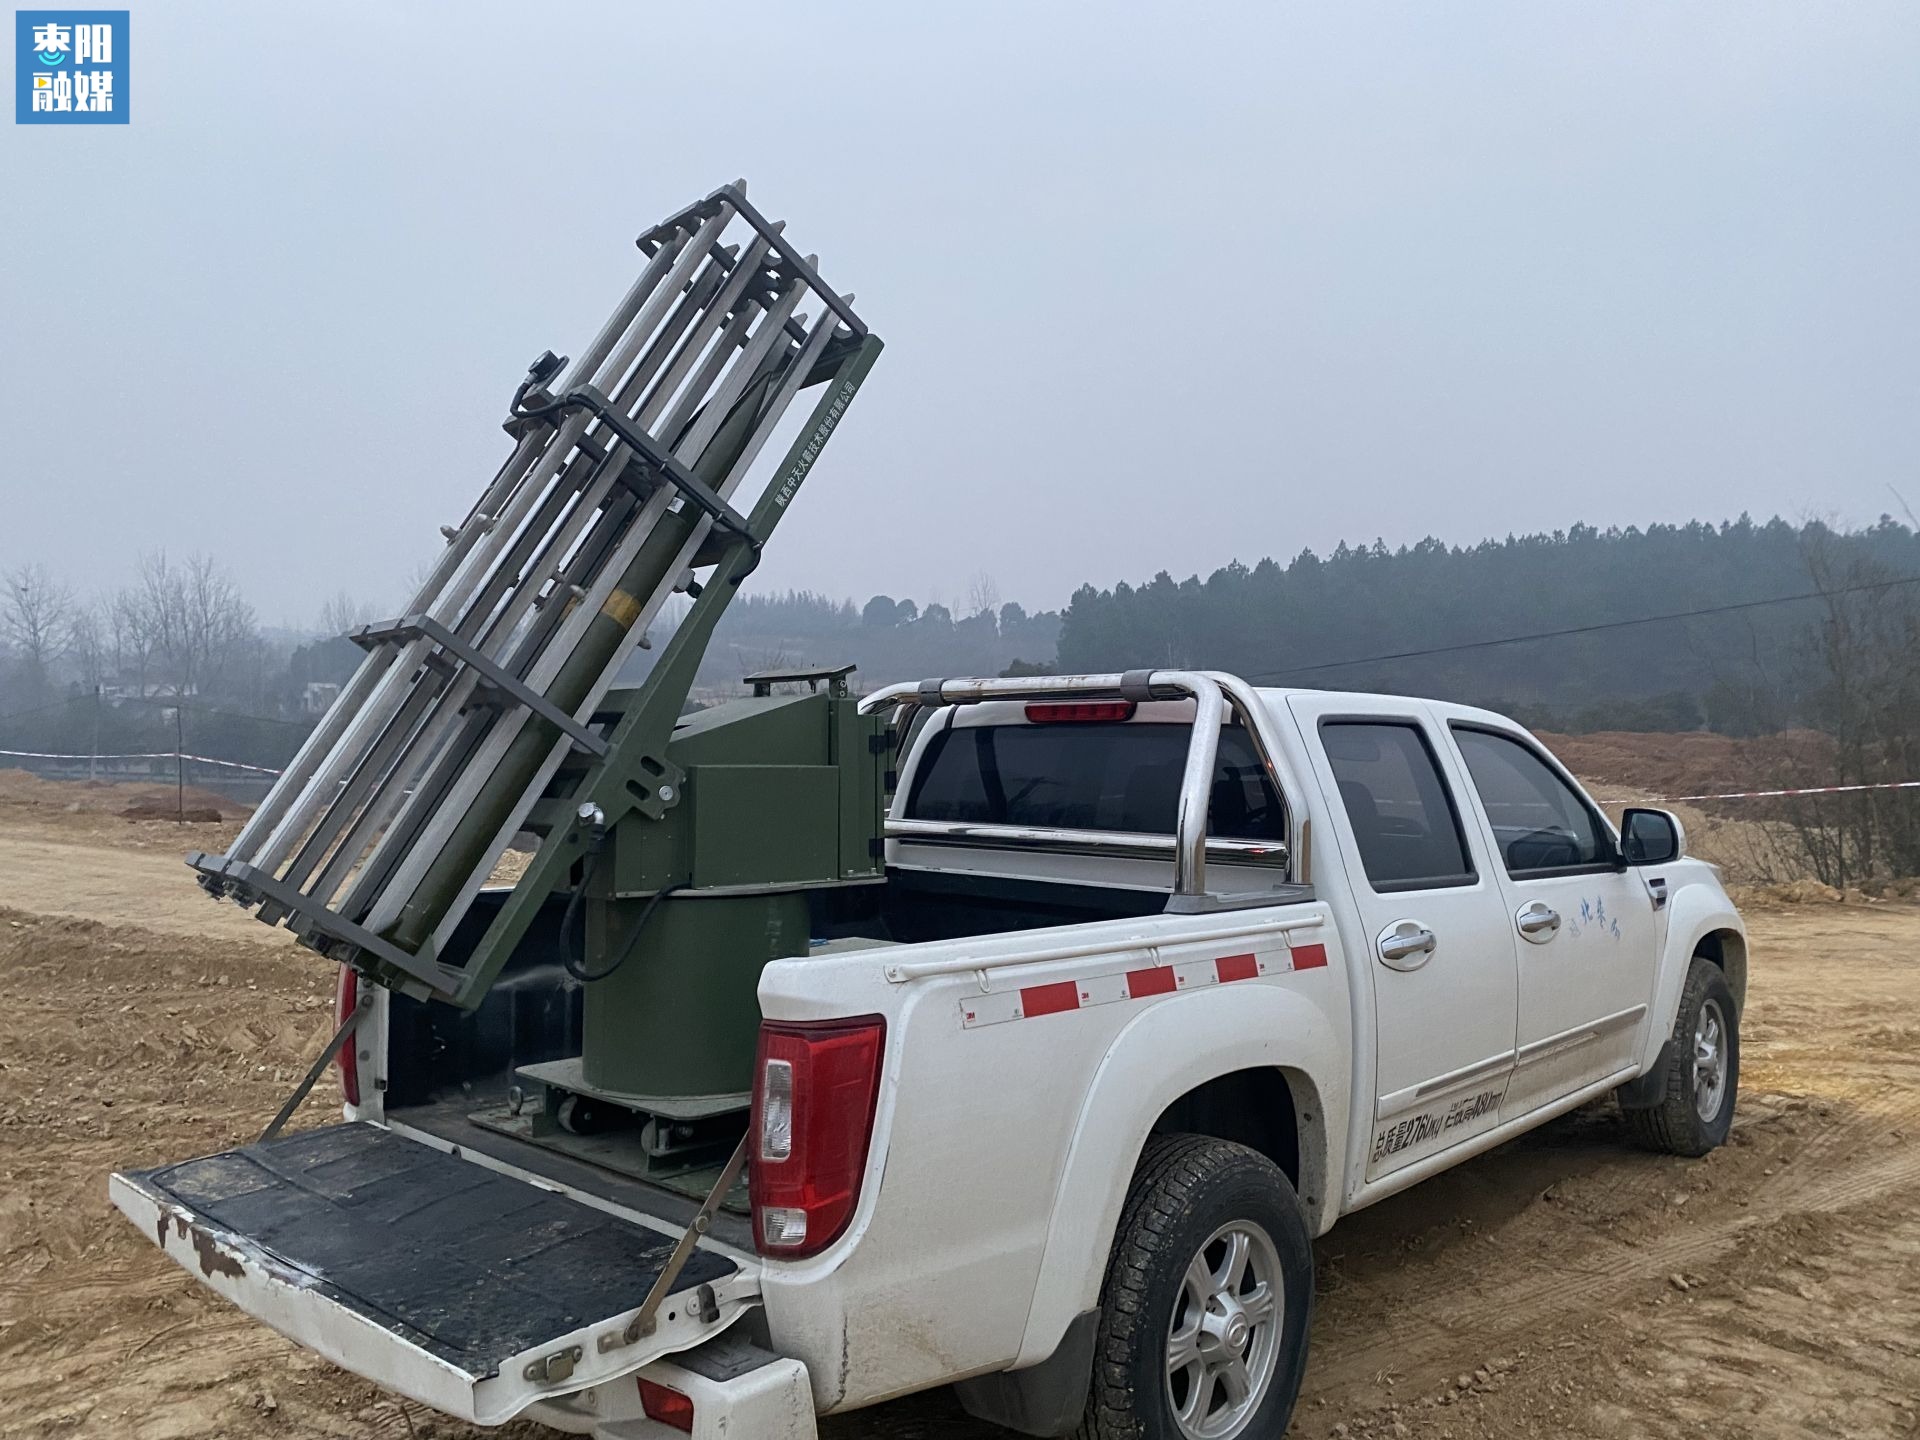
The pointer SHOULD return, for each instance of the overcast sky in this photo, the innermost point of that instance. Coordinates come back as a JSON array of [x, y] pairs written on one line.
[[1161, 286]]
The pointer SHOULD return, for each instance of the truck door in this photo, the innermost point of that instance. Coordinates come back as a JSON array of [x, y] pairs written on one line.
[[1433, 918], [1590, 936]]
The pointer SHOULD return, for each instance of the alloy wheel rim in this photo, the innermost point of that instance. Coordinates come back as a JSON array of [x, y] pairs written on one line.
[[1223, 1339], [1710, 1061]]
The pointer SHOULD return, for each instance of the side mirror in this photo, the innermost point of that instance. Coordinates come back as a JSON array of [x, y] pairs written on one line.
[[1651, 837]]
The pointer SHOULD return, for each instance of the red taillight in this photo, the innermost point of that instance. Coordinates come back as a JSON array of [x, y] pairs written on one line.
[[346, 996], [814, 1091], [669, 1407], [1059, 712]]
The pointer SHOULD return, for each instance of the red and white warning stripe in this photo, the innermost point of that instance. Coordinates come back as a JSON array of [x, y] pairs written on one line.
[[1030, 1002], [157, 755], [1776, 794]]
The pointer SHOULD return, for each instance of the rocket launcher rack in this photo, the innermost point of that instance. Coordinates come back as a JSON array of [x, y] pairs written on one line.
[[480, 713]]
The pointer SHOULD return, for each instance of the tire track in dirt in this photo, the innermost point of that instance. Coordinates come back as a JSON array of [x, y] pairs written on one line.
[[1500, 1317]]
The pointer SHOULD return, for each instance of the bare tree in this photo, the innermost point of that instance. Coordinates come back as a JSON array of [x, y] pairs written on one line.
[[130, 638], [1862, 688], [88, 649], [983, 594], [36, 616], [344, 613], [201, 628]]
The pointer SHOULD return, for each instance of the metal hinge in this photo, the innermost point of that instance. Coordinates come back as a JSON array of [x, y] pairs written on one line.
[[552, 1369], [646, 1321]]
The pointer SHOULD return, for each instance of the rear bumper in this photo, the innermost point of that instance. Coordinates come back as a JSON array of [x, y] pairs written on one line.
[[739, 1392]]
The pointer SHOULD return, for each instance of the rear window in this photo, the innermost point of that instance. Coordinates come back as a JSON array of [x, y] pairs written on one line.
[[1101, 776]]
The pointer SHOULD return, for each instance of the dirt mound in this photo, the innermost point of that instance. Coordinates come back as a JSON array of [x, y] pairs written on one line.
[[155, 810], [1694, 762], [112, 815], [1812, 892], [198, 815], [21, 790]]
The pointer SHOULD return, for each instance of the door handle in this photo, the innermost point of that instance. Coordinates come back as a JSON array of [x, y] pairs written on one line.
[[1406, 945], [1538, 922]]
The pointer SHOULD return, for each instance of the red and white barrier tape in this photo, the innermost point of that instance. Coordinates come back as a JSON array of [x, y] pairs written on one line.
[[162, 755], [1776, 794]]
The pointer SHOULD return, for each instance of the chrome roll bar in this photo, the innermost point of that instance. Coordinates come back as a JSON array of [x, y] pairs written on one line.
[[1208, 692]]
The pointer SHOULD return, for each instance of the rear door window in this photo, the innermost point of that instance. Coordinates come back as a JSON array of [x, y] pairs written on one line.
[[1402, 814], [1090, 776]]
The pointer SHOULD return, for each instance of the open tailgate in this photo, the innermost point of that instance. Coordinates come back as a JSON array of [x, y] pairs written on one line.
[[470, 1290]]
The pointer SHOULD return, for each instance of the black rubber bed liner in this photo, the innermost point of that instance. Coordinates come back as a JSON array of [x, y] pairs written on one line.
[[470, 1265]]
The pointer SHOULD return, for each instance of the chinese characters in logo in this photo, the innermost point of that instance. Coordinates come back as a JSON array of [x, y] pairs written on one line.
[[72, 67]]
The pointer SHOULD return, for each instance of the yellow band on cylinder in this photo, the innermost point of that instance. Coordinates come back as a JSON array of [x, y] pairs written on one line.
[[622, 609]]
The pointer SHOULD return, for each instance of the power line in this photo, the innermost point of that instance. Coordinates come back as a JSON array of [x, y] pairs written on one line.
[[1876, 585]]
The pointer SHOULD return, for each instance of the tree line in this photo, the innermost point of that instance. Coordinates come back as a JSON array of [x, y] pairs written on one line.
[[133, 668], [177, 656], [1666, 627], [887, 639], [1804, 638], [1418, 619]]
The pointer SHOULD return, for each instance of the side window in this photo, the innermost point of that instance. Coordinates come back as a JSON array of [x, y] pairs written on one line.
[[1539, 821], [1402, 816]]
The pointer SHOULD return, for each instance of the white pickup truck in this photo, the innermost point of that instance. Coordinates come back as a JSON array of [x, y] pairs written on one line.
[[1168, 973]]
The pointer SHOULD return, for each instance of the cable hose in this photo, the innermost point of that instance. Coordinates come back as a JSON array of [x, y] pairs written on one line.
[[576, 965]]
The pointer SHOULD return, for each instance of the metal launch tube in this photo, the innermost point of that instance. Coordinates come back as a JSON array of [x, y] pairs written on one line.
[[651, 566]]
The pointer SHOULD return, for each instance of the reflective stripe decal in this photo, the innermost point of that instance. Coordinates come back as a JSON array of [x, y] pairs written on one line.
[[1032, 1001], [1051, 999], [1157, 981], [1236, 967]]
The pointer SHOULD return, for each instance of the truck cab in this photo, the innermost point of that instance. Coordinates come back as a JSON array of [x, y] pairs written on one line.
[[1166, 974]]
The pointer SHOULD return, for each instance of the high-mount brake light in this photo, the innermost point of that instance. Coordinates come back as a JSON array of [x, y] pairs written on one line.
[[666, 1405], [346, 996], [1078, 712], [815, 1089]]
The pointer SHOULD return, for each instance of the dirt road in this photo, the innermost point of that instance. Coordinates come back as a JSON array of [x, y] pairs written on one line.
[[1563, 1286]]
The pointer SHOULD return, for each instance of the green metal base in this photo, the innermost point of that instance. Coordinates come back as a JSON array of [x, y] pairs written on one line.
[[682, 1016], [569, 1077], [621, 1152]]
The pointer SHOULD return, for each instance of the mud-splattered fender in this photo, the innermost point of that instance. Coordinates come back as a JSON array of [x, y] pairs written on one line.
[[1165, 1052], [1696, 908]]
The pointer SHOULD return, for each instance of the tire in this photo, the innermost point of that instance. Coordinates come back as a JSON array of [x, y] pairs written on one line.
[[1693, 1114], [1190, 1197]]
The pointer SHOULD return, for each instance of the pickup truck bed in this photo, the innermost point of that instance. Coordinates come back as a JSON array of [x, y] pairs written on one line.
[[471, 1266]]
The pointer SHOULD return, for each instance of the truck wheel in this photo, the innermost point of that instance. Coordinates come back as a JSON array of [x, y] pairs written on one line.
[[1695, 1108], [1203, 1315]]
